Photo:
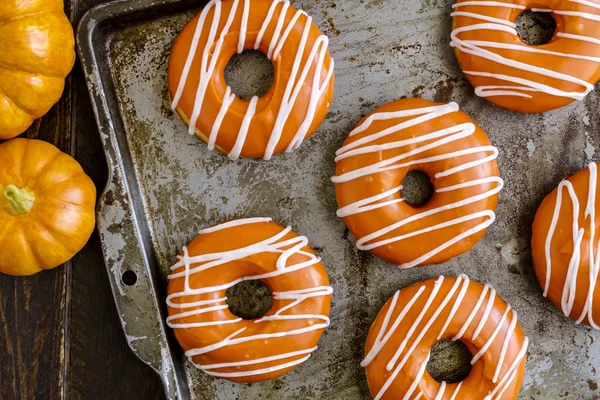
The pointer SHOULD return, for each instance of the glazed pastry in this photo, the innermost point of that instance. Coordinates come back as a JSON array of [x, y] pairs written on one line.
[[529, 79], [229, 347], [565, 246], [443, 142], [415, 318], [295, 105]]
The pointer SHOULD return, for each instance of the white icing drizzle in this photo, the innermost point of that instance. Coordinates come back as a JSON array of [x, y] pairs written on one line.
[[434, 140], [297, 81], [587, 3], [456, 391], [577, 233], [274, 244], [441, 391], [518, 86], [502, 380]]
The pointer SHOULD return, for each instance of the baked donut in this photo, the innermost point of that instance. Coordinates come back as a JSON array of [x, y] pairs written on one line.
[[565, 246], [415, 318], [443, 142], [519, 77], [295, 105], [228, 347]]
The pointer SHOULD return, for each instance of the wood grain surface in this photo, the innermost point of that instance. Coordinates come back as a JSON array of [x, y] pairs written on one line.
[[60, 335]]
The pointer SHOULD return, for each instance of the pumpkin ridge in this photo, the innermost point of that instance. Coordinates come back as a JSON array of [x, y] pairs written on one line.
[[60, 236], [31, 73], [76, 175], [15, 102], [33, 180], [18, 17]]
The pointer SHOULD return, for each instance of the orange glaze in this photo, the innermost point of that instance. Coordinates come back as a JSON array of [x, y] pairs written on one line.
[[564, 245], [455, 312], [263, 123], [418, 248], [583, 39], [256, 261]]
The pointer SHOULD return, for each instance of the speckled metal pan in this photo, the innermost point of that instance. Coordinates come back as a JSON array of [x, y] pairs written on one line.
[[165, 185]]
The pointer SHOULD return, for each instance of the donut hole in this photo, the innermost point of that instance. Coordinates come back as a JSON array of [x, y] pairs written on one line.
[[417, 188], [249, 299], [536, 28], [450, 361], [249, 74]]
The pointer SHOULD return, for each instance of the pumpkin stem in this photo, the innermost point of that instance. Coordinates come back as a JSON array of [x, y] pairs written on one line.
[[20, 201]]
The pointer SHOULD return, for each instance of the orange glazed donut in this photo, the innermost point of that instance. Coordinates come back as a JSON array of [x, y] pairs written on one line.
[[565, 246], [295, 105], [229, 347], [520, 77], [411, 322], [438, 139]]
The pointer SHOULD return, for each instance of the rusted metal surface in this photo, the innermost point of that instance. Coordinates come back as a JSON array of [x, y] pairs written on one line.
[[166, 185]]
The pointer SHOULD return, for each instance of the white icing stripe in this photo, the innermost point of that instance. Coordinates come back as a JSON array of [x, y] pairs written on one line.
[[583, 15], [231, 224], [468, 321], [241, 139], [297, 81], [258, 371], [486, 313], [418, 378], [490, 340], [422, 115], [275, 244], [436, 288], [509, 335], [243, 27], [451, 133], [578, 37], [190, 56], [323, 41], [227, 102], [258, 360], [457, 304], [379, 342], [371, 203], [511, 373], [483, 18], [488, 4], [587, 3], [477, 48], [295, 84], [207, 69], [433, 112], [529, 49], [432, 141], [501, 380], [577, 234], [590, 212], [441, 391], [456, 391], [425, 329]]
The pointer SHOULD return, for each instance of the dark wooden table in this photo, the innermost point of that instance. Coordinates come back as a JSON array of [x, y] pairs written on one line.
[[60, 335]]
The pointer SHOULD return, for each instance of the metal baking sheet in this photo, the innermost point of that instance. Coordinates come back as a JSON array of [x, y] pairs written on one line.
[[165, 185]]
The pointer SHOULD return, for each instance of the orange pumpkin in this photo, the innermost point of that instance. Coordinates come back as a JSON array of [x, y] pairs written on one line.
[[37, 52], [47, 207]]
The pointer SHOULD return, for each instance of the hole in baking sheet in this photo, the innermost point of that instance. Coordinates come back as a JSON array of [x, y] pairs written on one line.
[[249, 74], [535, 28], [129, 278], [450, 361], [249, 299], [417, 188]]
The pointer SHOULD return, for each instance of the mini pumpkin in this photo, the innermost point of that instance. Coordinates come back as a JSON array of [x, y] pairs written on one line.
[[37, 52], [47, 207]]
